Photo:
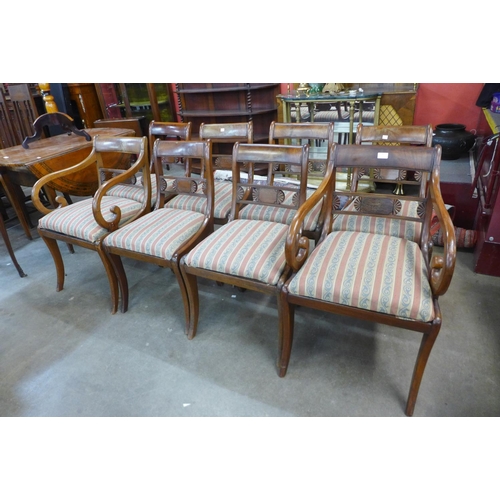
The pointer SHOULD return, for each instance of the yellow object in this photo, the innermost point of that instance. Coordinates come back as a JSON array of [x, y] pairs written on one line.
[[50, 104]]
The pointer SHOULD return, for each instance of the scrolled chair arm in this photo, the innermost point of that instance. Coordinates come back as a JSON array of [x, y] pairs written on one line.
[[40, 183], [442, 266], [297, 246], [112, 224]]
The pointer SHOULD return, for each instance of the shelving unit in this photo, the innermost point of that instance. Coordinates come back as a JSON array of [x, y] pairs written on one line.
[[228, 103]]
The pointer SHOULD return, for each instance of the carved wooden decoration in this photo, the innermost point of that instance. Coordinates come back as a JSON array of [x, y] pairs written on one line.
[[63, 120]]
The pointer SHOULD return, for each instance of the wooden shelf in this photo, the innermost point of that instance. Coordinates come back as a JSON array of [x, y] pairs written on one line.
[[204, 112], [229, 102], [237, 88]]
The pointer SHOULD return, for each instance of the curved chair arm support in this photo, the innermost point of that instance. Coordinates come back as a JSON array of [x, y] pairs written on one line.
[[142, 163], [297, 246], [35, 191], [442, 266]]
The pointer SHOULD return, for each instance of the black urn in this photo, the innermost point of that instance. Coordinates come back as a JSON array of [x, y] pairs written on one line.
[[454, 140]]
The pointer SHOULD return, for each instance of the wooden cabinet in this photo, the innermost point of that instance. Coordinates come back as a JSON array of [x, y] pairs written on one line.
[[84, 97], [229, 103], [141, 101]]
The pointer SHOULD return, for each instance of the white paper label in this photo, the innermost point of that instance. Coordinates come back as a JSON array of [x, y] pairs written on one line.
[[385, 137], [383, 156]]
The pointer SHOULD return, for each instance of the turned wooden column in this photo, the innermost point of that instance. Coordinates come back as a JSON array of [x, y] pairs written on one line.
[[50, 104]]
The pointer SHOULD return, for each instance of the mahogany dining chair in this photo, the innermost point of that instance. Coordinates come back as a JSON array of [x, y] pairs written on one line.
[[164, 235], [378, 276]]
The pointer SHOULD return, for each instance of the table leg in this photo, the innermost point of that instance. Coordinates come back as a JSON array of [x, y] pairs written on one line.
[[9, 189], [5, 235]]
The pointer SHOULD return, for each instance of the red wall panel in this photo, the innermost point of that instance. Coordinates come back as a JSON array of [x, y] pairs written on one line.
[[448, 103]]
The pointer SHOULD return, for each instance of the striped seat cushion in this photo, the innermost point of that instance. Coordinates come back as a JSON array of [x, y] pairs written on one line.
[[333, 116], [77, 219], [134, 191], [245, 248], [369, 271], [282, 215], [222, 201], [409, 230], [159, 233]]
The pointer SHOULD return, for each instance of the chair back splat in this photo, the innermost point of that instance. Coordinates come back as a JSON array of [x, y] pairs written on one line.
[[173, 131], [380, 266], [223, 137], [410, 135], [163, 236], [8, 133], [24, 110], [319, 138]]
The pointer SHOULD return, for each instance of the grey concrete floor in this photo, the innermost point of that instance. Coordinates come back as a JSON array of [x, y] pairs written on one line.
[[64, 353]]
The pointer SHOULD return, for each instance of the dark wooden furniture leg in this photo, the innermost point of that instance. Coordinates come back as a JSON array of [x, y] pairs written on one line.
[[3, 232], [10, 190]]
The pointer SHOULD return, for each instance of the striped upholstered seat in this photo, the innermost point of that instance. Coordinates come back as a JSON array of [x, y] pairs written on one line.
[[333, 116], [402, 228], [281, 214], [222, 201], [134, 191], [159, 234], [77, 220], [244, 248], [369, 271]]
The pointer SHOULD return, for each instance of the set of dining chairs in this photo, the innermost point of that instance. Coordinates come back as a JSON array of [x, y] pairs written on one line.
[[283, 222]]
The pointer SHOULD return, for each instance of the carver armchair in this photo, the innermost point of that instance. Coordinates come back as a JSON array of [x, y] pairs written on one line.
[[86, 222], [163, 236], [375, 276]]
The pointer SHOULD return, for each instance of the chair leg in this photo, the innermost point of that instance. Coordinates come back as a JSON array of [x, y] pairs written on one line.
[[192, 304], [426, 345], [3, 232], [117, 263], [184, 293], [286, 313], [113, 281], [58, 261]]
